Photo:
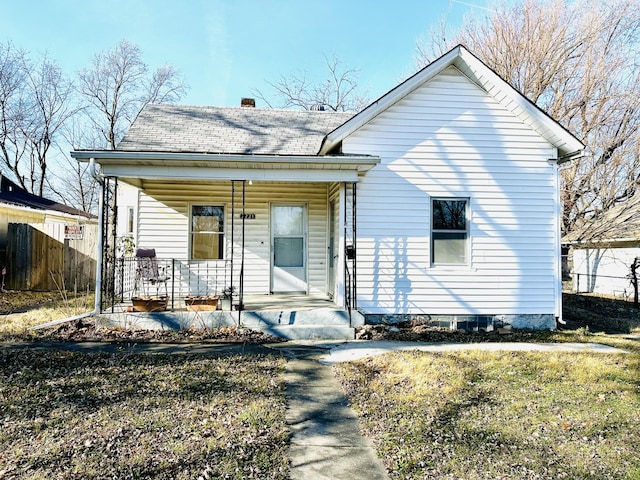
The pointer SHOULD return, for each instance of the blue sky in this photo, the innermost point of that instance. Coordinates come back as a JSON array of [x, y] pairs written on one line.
[[226, 48]]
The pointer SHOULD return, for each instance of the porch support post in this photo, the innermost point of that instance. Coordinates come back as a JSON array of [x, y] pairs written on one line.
[[100, 256], [241, 286], [347, 273], [233, 214], [114, 239], [354, 261], [340, 291]]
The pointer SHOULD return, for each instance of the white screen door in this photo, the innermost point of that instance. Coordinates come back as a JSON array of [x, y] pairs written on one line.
[[288, 248]]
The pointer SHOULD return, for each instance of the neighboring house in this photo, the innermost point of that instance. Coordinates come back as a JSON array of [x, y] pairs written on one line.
[[17, 205], [604, 250], [44, 245], [439, 200]]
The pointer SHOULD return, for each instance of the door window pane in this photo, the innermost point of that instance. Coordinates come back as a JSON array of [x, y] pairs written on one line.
[[288, 221], [288, 252]]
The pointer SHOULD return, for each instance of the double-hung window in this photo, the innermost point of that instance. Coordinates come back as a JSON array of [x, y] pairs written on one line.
[[449, 231], [207, 232]]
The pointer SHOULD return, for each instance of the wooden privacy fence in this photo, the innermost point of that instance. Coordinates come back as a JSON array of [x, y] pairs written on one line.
[[39, 257]]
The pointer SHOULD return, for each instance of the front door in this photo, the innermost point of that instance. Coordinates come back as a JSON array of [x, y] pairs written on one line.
[[288, 248]]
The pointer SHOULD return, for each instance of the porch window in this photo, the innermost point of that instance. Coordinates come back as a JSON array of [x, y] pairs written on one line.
[[207, 232], [449, 231], [130, 220]]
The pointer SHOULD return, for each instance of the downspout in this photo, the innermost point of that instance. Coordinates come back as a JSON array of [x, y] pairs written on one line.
[[98, 178], [96, 307], [557, 242]]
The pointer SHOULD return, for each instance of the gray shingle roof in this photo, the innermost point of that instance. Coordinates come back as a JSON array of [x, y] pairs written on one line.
[[194, 129], [11, 193], [621, 223]]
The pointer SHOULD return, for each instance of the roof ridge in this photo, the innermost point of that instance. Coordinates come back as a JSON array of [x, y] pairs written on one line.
[[247, 109]]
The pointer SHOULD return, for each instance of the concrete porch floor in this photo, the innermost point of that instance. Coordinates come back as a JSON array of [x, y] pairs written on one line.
[[287, 301]]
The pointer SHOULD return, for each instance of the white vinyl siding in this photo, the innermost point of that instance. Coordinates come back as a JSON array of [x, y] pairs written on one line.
[[451, 139], [164, 224]]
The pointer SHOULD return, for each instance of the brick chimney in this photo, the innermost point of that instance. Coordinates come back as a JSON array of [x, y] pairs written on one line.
[[248, 102]]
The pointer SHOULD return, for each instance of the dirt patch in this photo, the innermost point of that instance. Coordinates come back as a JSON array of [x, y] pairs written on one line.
[[595, 314], [592, 313], [599, 314], [84, 330]]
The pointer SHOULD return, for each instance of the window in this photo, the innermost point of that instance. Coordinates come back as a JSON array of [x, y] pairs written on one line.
[[207, 232], [449, 231], [130, 218]]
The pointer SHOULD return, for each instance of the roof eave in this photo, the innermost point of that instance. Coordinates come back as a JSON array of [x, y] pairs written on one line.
[[115, 157]]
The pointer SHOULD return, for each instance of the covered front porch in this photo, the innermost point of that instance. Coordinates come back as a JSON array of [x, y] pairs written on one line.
[[249, 194], [277, 255]]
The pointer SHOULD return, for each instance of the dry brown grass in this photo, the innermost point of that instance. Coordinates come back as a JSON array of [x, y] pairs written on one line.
[[101, 416], [485, 415], [21, 310]]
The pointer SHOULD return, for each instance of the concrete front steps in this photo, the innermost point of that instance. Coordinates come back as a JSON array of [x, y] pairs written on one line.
[[305, 324]]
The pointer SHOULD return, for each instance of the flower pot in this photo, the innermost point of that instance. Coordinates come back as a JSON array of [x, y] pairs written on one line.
[[200, 303], [149, 304]]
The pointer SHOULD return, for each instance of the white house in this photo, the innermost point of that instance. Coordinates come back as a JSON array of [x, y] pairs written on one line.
[[604, 250], [440, 200]]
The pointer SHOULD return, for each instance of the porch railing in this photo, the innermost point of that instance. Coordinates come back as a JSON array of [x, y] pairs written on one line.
[[176, 279]]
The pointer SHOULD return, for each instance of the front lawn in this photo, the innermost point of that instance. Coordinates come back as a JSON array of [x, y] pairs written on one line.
[[482, 415], [93, 416]]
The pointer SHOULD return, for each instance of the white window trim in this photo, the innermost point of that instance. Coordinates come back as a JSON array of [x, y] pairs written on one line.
[[190, 232], [451, 266]]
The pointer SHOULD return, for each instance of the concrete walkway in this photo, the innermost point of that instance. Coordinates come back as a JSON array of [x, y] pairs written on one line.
[[326, 442], [349, 351]]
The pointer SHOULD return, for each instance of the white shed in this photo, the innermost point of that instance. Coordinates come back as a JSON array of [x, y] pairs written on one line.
[[604, 249]]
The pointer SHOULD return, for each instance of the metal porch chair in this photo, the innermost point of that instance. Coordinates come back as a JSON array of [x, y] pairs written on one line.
[[148, 273]]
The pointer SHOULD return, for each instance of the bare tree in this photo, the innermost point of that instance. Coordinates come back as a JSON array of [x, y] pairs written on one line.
[[12, 105], [117, 86], [51, 108], [34, 105], [73, 183], [578, 61], [337, 92]]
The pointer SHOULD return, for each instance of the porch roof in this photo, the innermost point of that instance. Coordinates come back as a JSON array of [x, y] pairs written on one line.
[[188, 142], [230, 130], [204, 166]]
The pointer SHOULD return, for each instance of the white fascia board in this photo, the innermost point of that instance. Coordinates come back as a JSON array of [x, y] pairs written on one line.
[[467, 63], [547, 127], [204, 173], [179, 159]]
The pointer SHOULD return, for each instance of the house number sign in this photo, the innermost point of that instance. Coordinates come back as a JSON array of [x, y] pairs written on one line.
[[248, 216]]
